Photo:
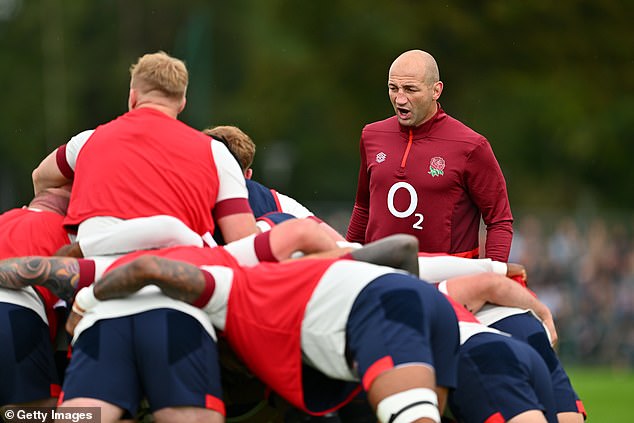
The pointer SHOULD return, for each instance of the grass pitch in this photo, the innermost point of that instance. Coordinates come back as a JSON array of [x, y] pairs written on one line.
[[607, 394]]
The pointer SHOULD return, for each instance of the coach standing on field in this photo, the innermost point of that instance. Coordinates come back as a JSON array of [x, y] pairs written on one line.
[[427, 174]]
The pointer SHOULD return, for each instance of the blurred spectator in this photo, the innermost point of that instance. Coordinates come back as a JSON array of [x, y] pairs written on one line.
[[584, 271]]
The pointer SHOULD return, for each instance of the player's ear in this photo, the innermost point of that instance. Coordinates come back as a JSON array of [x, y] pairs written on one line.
[[182, 105], [438, 86], [132, 99], [248, 173]]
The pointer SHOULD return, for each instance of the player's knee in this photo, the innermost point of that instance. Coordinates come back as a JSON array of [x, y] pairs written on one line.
[[409, 406]]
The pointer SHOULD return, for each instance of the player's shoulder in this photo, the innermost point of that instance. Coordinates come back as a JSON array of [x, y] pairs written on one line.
[[82, 137], [452, 129], [386, 125]]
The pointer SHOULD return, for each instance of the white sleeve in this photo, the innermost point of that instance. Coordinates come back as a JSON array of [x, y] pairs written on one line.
[[243, 250], [263, 225], [74, 146], [141, 233], [291, 206], [439, 268], [231, 182]]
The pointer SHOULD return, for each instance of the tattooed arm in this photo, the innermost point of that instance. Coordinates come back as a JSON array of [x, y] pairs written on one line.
[[177, 279], [59, 274]]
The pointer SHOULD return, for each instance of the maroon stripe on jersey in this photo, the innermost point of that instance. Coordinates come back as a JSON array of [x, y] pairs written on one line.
[[262, 246], [86, 273], [231, 206], [62, 163], [210, 286]]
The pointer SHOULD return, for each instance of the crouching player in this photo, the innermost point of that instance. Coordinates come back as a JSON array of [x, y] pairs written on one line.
[[315, 330], [63, 275], [29, 316]]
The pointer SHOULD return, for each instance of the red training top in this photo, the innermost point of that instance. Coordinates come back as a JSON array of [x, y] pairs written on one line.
[[435, 182]]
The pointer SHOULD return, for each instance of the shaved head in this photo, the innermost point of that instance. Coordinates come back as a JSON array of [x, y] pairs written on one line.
[[414, 87], [418, 64]]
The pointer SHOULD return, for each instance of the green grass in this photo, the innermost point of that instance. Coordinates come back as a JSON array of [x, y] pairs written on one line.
[[607, 394]]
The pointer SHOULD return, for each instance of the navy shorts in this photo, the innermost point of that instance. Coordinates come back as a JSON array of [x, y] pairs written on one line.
[[399, 319], [527, 328], [501, 377], [27, 364], [163, 355]]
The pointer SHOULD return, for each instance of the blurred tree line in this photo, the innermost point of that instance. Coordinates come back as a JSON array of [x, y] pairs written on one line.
[[550, 84]]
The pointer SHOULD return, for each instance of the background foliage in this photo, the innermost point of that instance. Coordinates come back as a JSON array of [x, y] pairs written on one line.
[[549, 83]]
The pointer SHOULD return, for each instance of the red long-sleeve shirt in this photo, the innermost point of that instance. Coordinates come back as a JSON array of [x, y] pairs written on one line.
[[435, 182]]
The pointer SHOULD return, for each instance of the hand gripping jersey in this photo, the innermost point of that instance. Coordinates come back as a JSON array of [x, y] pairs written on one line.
[[125, 171], [435, 182]]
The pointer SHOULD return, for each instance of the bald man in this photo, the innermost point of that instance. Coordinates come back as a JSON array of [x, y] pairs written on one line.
[[426, 174]]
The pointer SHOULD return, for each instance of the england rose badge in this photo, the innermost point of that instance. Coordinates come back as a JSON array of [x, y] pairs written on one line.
[[436, 166]]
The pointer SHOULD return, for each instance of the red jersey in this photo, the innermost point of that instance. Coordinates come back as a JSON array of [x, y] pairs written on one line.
[[126, 171], [197, 256], [270, 343], [436, 182], [29, 232]]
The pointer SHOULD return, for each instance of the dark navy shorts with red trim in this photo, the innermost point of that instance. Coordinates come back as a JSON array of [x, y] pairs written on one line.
[[164, 355], [398, 319], [499, 378], [527, 328]]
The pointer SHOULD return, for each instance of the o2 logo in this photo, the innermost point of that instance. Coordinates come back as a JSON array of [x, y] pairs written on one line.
[[413, 203]]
